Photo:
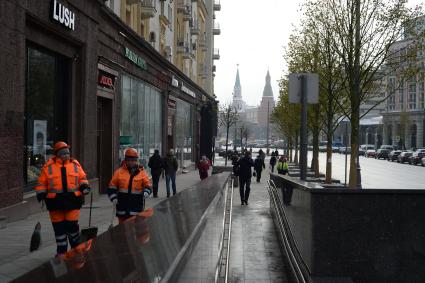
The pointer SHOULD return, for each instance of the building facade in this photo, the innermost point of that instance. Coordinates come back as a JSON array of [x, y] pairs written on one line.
[[78, 73], [404, 116]]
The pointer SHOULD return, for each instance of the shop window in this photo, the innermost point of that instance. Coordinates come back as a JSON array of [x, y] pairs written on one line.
[[46, 109], [141, 115]]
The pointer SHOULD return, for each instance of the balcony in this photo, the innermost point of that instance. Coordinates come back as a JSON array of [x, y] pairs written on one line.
[[216, 54], [214, 68], [217, 5], [202, 42], [184, 7], [216, 29], [195, 29], [202, 71], [148, 9], [184, 49]]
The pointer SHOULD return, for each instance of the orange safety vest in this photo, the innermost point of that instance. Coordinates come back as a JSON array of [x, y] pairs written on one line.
[[121, 179], [130, 200], [50, 180]]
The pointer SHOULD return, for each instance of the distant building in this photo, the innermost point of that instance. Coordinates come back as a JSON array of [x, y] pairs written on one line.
[[267, 103], [237, 94]]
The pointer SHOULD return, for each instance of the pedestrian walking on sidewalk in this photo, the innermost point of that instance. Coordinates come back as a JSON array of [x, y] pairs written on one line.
[[203, 166], [282, 166], [273, 161], [129, 186], [258, 167], [170, 166], [61, 186], [244, 165], [155, 163]]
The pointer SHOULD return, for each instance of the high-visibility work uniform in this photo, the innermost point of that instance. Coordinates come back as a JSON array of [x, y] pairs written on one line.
[[282, 167], [61, 181], [129, 189]]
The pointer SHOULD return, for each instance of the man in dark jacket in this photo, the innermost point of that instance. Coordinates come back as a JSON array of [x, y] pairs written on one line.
[[273, 161], [155, 163], [259, 166], [245, 164], [170, 166]]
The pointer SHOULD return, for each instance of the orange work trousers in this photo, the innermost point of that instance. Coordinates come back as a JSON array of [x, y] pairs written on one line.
[[64, 215]]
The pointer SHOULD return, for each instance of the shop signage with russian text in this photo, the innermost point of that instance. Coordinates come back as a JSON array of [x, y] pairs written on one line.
[[106, 80], [136, 59]]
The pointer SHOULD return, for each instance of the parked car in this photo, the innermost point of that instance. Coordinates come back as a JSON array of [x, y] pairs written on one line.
[[370, 153], [336, 146], [404, 156], [365, 147], [387, 147], [345, 150], [423, 161], [393, 155], [382, 153], [417, 156]]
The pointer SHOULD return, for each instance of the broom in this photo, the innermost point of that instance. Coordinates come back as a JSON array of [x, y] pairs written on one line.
[[36, 234], [91, 231]]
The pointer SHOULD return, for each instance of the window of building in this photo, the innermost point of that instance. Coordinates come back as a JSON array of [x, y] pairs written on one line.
[[46, 109], [421, 100], [183, 137], [141, 114]]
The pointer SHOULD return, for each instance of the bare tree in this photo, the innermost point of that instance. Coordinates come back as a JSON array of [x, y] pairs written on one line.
[[228, 116]]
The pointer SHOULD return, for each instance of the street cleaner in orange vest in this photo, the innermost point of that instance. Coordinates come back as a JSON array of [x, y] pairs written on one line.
[[129, 186], [61, 186]]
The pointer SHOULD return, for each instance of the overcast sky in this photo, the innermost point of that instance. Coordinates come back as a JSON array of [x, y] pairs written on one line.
[[253, 35]]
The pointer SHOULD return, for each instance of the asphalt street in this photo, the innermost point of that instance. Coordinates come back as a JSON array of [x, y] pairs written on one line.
[[376, 174]]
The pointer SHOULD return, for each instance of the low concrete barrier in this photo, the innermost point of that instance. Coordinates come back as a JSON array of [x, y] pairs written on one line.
[[151, 248], [369, 235]]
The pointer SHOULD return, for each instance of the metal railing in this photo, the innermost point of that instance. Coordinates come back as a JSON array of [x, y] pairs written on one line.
[[300, 273]]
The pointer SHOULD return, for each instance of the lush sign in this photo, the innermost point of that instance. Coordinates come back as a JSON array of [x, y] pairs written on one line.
[[136, 59], [63, 15]]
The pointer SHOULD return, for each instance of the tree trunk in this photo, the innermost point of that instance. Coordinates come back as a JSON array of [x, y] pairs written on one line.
[[227, 145], [290, 150], [296, 150], [354, 150], [329, 138], [316, 132]]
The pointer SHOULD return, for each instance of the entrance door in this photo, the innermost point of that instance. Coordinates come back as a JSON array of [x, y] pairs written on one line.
[[104, 142]]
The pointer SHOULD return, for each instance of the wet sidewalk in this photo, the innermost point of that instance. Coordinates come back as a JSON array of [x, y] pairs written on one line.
[[15, 258], [255, 255]]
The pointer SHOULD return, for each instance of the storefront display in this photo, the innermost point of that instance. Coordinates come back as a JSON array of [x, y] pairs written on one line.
[[45, 109], [183, 137], [141, 114]]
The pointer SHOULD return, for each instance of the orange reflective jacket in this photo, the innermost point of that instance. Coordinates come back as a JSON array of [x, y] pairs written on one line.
[[50, 180], [121, 180], [129, 189]]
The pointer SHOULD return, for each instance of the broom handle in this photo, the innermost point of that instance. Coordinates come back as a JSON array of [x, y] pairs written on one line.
[[91, 203]]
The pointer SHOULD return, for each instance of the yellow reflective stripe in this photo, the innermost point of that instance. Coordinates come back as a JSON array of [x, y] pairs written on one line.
[[75, 168], [76, 180], [73, 190], [40, 191], [50, 169], [113, 188]]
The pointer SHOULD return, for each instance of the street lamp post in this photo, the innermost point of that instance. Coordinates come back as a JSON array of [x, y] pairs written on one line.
[[268, 124]]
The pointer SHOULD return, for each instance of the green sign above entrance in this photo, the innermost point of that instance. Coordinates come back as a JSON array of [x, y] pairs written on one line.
[[136, 59]]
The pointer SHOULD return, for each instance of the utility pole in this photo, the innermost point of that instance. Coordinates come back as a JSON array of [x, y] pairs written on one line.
[[303, 133], [268, 121], [358, 90]]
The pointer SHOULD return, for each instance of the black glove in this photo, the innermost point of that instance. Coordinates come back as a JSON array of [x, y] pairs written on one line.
[[41, 196], [85, 188]]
